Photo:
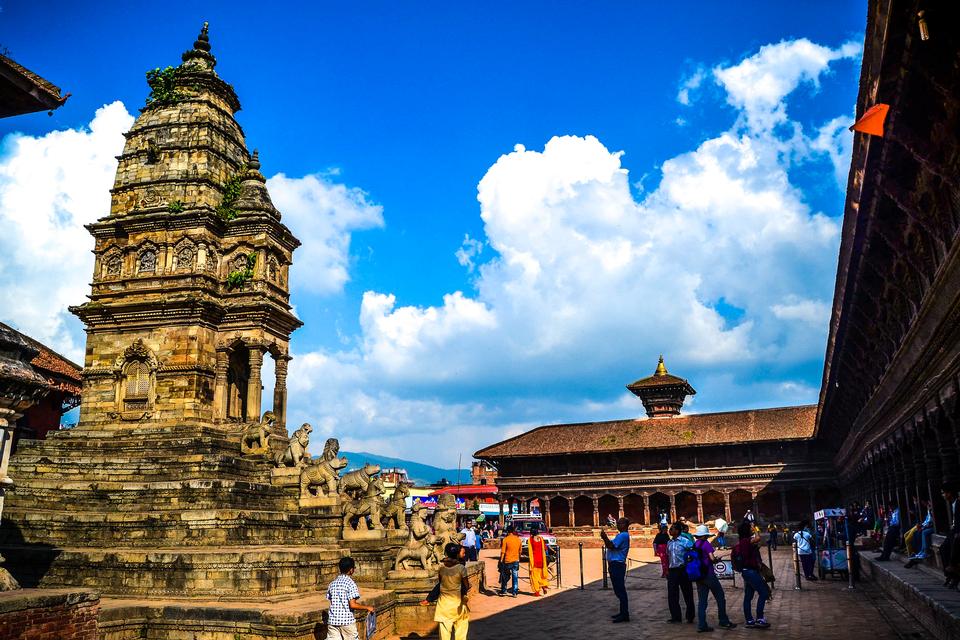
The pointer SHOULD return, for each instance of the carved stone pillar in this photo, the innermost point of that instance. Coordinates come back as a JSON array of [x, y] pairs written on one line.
[[254, 384], [699, 506], [596, 511], [620, 503], [784, 516], [280, 390], [220, 385], [673, 506], [727, 515]]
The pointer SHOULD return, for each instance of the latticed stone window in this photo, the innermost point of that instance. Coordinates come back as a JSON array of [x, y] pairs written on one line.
[[137, 384]]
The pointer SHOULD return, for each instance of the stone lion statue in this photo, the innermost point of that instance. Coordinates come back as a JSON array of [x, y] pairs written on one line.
[[395, 508], [256, 435], [323, 476], [295, 455], [419, 547], [368, 504], [331, 449], [358, 480]]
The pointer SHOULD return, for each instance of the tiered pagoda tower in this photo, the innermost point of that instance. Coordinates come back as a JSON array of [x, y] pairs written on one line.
[[662, 394], [190, 283]]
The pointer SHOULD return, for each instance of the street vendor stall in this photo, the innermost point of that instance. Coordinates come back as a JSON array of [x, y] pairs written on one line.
[[831, 542]]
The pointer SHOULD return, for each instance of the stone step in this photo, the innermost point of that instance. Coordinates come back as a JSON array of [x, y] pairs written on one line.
[[190, 528], [920, 591], [152, 496], [224, 572]]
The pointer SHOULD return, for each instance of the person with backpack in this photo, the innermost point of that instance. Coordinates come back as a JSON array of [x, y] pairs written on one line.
[[677, 580], [804, 541], [746, 560], [699, 564]]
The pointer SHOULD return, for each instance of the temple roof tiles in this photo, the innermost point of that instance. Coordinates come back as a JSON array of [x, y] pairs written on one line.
[[703, 429]]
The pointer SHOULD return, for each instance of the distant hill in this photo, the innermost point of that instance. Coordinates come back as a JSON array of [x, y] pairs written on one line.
[[418, 472]]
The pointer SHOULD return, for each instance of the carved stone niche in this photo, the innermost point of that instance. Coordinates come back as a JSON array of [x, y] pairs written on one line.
[[135, 373]]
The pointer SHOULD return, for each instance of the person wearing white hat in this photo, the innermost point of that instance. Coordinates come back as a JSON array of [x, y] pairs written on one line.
[[709, 583]]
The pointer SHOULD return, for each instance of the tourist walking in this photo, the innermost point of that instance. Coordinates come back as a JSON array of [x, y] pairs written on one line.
[[746, 559], [804, 541], [452, 612], [344, 597], [510, 561], [677, 580], [537, 562], [772, 536], [708, 582], [470, 540], [660, 549], [617, 550]]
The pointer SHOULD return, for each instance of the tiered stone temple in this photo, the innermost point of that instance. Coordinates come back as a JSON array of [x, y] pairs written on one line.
[[150, 495]]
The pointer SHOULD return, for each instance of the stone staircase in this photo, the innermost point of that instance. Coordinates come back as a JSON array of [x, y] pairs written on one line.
[[161, 512]]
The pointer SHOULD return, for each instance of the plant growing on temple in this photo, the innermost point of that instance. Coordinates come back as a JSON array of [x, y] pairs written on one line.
[[175, 206], [231, 192], [163, 87], [239, 277]]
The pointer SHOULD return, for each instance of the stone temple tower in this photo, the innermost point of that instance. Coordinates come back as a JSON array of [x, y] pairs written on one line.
[[190, 284]]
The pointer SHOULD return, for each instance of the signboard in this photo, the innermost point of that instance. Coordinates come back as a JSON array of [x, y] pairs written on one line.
[[829, 513], [371, 624], [835, 561], [430, 502], [724, 569]]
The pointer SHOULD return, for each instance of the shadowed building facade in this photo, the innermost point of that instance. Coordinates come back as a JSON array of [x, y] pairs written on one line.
[[696, 466]]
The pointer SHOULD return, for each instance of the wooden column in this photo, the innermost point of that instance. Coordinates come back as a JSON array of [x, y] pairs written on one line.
[[783, 505], [646, 508], [573, 515], [673, 507], [700, 507], [620, 503], [545, 511], [596, 511], [500, 504], [726, 506], [812, 496]]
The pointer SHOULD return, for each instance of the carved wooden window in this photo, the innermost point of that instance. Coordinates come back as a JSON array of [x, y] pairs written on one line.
[[147, 261], [137, 391]]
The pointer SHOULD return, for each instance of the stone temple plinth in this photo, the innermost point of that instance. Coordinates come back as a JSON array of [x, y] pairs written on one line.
[[150, 500]]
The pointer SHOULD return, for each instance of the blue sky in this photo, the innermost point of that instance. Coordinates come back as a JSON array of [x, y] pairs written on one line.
[[712, 238]]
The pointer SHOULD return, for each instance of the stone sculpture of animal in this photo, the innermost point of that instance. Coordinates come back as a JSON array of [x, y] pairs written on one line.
[[324, 476], [256, 435], [295, 455], [419, 547], [367, 505], [395, 508], [358, 481]]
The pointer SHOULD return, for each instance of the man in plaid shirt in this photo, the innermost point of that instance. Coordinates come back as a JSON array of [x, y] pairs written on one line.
[[343, 595]]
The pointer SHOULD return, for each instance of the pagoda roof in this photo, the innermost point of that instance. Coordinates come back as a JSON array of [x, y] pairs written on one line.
[[661, 378], [24, 91], [60, 372], [703, 429]]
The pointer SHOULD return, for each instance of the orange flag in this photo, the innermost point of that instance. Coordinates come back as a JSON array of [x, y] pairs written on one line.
[[872, 121]]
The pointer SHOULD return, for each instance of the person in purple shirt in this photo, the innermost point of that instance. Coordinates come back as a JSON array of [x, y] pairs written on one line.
[[709, 583]]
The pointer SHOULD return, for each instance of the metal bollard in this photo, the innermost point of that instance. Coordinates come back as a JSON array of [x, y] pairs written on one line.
[[603, 559], [796, 567], [559, 570], [849, 564], [580, 544], [770, 557]]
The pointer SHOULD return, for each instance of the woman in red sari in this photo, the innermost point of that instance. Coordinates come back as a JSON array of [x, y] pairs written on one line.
[[660, 549], [539, 571]]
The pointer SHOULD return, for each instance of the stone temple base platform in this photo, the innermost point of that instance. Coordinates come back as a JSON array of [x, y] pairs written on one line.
[[289, 618]]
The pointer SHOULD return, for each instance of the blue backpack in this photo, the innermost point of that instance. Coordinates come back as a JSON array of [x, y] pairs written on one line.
[[693, 564]]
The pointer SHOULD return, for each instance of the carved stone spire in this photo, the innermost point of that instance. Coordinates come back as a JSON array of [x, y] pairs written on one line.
[[254, 197], [200, 58]]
